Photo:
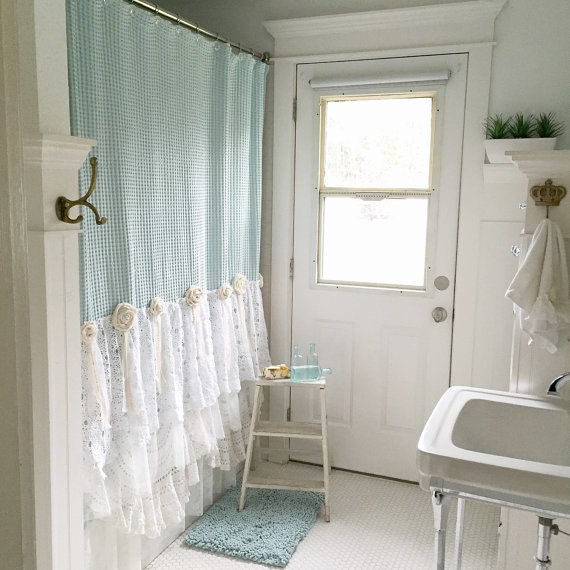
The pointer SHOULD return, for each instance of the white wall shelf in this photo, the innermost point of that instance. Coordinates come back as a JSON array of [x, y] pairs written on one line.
[[541, 163], [527, 163]]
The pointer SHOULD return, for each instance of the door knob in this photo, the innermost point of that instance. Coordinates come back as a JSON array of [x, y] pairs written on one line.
[[439, 314]]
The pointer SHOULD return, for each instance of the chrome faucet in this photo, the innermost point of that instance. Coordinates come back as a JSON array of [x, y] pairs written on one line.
[[557, 382]]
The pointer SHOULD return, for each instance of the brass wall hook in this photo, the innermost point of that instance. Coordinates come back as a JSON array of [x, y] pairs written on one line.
[[63, 204]]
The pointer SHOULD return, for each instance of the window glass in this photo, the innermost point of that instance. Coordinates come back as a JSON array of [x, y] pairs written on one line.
[[375, 188], [380, 242], [377, 143]]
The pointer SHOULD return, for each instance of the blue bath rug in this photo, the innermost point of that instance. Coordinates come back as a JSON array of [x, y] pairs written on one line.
[[268, 530]]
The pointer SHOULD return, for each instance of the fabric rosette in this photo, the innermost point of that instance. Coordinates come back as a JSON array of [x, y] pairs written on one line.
[[123, 319], [194, 296], [89, 331], [156, 308], [225, 291], [240, 284]]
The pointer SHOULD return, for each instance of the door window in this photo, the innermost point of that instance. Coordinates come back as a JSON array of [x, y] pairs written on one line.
[[374, 188]]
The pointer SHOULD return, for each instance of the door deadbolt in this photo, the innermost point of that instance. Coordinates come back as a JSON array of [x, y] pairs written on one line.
[[441, 283], [439, 314]]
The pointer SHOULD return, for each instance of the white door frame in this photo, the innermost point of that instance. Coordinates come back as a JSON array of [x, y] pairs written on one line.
[[382, 34]]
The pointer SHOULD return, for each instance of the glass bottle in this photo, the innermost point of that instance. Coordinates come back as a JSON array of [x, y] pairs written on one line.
[[297, 358], [313, 357], [308, 373]]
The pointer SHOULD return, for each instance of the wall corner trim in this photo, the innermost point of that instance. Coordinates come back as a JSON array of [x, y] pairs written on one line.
[[51, 164]]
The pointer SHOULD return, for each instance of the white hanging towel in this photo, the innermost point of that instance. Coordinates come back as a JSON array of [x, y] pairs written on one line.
[[540, 287]]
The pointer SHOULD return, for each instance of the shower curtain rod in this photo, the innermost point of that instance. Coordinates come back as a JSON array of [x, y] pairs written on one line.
[[264, 57]]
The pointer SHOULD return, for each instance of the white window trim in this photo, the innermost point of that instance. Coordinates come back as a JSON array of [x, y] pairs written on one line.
[[370, 193]]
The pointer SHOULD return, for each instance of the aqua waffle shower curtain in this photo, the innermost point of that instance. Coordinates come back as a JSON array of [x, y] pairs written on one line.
[[173, 326], [178, 121]]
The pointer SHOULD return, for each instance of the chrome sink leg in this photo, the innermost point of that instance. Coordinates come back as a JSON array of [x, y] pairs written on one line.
[[543, 545], [459, 532], [440, 503]]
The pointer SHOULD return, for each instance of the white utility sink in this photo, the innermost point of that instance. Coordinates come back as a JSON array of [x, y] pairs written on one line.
[[504, 447]]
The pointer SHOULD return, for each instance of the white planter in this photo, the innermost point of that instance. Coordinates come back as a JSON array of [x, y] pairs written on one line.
[[496, 148]]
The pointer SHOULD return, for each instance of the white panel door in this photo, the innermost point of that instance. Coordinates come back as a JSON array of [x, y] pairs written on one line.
[[361, 291]]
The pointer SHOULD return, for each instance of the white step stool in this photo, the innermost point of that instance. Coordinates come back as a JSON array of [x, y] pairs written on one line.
[[301, 430]]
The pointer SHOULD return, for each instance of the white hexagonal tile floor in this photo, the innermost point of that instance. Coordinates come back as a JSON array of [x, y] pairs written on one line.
[[375, 524]]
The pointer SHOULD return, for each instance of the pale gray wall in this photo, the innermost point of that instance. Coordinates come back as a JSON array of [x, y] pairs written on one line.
[[531, 61]]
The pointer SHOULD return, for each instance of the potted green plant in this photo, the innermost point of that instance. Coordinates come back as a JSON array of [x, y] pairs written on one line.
[[519, 132], [547, 126], [521, 126], [497, 127]]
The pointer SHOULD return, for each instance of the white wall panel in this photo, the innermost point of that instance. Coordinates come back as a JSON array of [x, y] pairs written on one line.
[[494, 316]]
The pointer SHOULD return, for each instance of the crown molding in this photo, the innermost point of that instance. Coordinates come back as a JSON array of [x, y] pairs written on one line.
[[547, 162], [393, 19]]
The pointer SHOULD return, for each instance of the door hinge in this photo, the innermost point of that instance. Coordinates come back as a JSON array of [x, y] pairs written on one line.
[[291, 268], [295, 110], [288, 414]]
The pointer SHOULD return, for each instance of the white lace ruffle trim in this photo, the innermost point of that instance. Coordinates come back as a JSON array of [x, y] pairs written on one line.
[[163, 395]]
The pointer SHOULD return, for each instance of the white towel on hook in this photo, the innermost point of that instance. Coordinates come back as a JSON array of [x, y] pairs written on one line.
[[540, 287]]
